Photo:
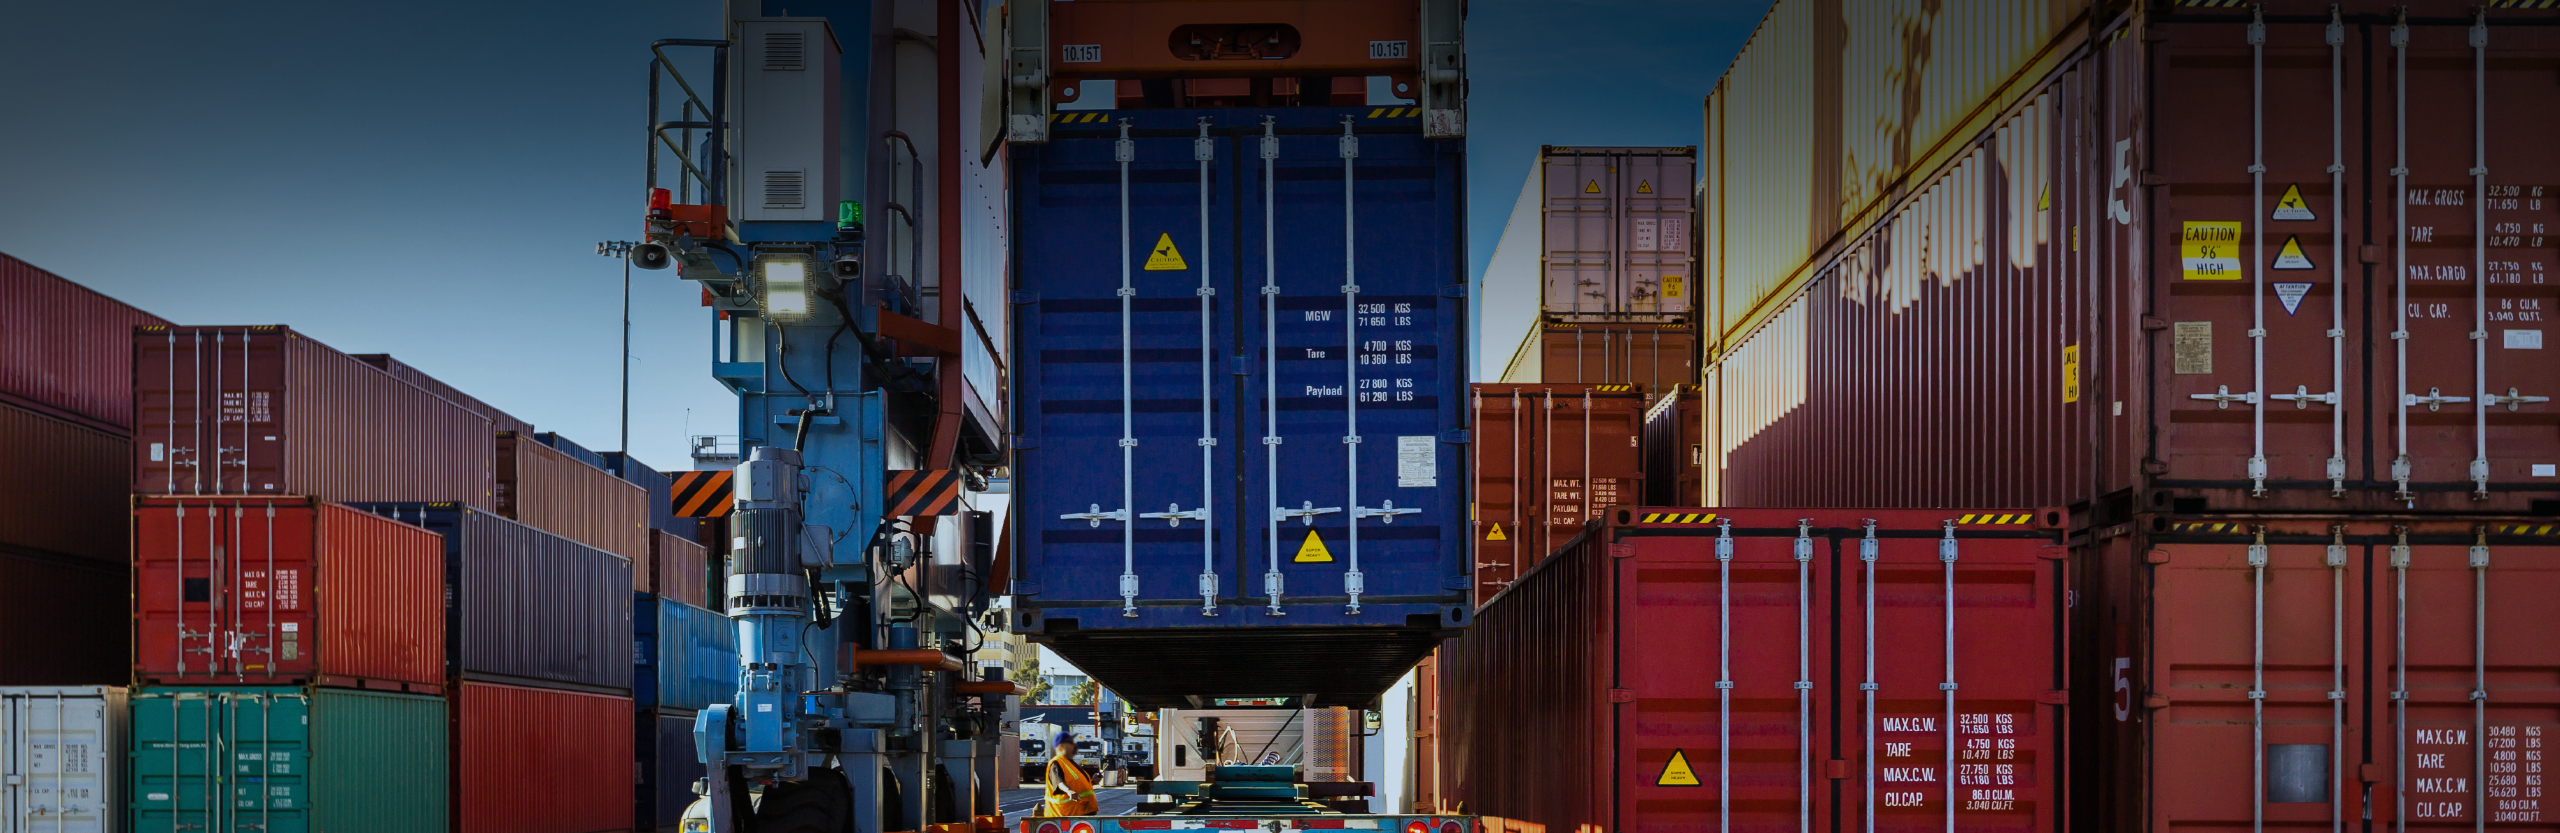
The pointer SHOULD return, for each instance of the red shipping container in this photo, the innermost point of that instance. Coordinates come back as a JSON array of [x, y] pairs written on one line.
[[285, 591], [65, 491], [1653, 357], [62, 621], [498, 419], [65, 349], [1674, 450], [679, 569], [531, 760], [542, 488], [2309, 672], [1548, 458], [2151, 286], [1818, 669], [268, 411]]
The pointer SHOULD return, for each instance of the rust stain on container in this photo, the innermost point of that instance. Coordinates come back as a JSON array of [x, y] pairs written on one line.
[[268, 411]]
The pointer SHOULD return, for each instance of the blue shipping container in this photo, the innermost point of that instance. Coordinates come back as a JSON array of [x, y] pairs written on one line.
[[662, 740], [1300, 410], [662, 491], [683, 656], [575, 451]]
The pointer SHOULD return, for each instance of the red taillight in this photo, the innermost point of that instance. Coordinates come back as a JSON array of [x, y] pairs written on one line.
[[1451, 827], [1046, 826], [1083, 827], [1417, 827]]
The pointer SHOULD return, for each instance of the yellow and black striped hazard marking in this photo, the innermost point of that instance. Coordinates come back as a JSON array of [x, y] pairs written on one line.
[[1394, 112], [2524, 4], [1086, 117], [703, 494], [919, 492], [2217, 4], [2206, 526], [1997, 519], [1612, 388], [1678, 518], [2526, 529]]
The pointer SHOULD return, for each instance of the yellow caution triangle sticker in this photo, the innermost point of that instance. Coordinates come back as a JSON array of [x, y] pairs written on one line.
[[2291, 256], [1165, 258], [1592, 188], [1496, 534], [1644, 186], [1312, 550], [2291, 207], [2044, 198], [1677, 773]]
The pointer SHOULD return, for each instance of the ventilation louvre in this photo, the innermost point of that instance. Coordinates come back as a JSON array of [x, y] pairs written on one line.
[[785, 52], [785, 189]]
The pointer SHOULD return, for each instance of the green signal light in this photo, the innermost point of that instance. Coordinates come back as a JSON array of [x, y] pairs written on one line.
[[849, 214]]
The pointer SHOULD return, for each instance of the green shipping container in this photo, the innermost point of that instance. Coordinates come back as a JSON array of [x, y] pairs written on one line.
[[259, 759]]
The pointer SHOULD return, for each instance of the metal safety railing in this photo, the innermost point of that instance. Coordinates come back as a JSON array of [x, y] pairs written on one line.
[[711, 175]]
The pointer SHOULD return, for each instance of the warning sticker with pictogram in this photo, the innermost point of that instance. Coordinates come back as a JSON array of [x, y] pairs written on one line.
[[1312, 550], [1644, 186], [1496, 534], [1165, 258], [2290, 294], [1677, 773], [2291, 207], [2044, 198], [2291, 256], [1592, 188]]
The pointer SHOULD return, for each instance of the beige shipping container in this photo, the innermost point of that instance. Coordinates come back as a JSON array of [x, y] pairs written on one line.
[[553, 492], [1813, 132]]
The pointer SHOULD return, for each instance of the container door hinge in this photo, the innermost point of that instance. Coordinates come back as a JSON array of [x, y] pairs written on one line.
[[2154, 323], [1453, 290], [1622, 550], [1622, 695], [2155, 701], [1454, 436], [1835, 769], [2053, 552], [2058, 697], [2157, 556], [1026, 296], [2154, 466]]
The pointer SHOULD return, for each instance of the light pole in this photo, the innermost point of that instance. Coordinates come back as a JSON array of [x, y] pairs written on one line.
[[622, 249]]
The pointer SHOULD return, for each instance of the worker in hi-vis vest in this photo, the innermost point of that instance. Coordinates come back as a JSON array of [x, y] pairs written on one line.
[[1069, 790]]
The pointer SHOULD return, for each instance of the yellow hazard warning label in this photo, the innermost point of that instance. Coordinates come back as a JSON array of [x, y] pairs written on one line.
[[2291, 207], [1644, 186], [1677, 773], [1495, 534], [1671, 286], [2044, 198], [1312, 550], [1592, 188], [2291, 256], [1165, 258], [2070, 373], [2210, 250]]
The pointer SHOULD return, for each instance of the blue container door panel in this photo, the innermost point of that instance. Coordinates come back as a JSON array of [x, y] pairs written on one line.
[[1389, 350]]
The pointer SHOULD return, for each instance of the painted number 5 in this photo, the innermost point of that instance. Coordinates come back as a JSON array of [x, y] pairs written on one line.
[[2124, 689]]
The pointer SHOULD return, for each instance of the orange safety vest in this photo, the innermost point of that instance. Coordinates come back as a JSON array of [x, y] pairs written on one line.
[[1068, 791]]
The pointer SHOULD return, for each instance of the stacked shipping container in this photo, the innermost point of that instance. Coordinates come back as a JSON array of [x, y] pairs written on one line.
[[1546, 460], [1613, 276], [2259, 295]]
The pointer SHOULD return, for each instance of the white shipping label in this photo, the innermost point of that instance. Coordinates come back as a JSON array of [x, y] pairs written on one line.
[[2523, 339], [1417, 463], [1648, 235], [764, 707], [155, 452], [1675, 235], [2546, 469]]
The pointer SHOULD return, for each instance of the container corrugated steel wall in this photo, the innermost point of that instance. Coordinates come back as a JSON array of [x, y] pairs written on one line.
[[287, 760], [498, 419], [2384, 673], [1674, 450], [1588, 695], [65, 492], [266, 410], [663, 741], [678, 569], [2031, 327], [524, 605], [65, 349], [580, 453], [1830, 107], [687, 656], [1651, 356], [62, 752], [63, 621], [284, 591], [557, 493], [662, 509], [1548, 459], [1395, 350], [529, 760], [1615, 223]]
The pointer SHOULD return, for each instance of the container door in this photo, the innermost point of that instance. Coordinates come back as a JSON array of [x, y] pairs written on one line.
[[2249, 640], [1737, 736], [1653, 224], [2462, 660], [223, 591], [1580, 227], [235, 762], [1950, 656], [54, 764], [1504, 534]]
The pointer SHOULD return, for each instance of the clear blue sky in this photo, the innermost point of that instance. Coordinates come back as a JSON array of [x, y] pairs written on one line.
[[429, 180]]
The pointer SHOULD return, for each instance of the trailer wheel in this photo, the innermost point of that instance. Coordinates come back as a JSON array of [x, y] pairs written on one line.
[[818, 805]]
